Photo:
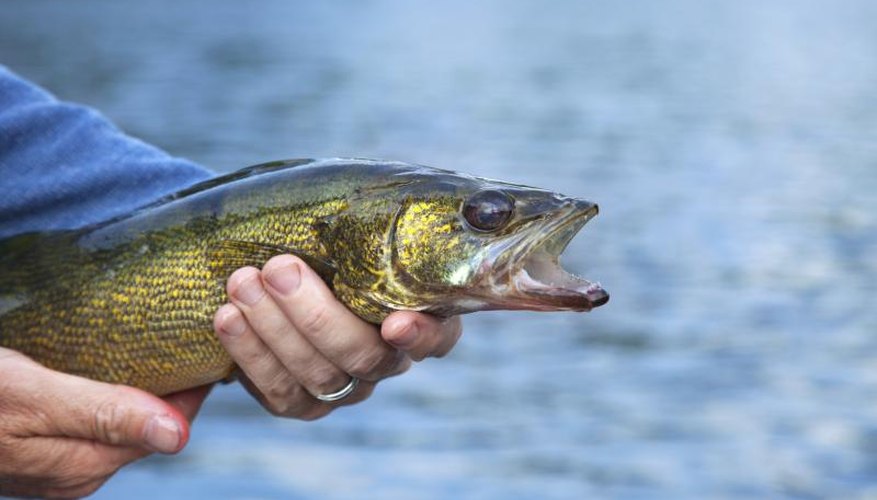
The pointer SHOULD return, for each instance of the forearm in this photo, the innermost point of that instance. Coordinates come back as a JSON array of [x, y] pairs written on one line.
[[64, 166]]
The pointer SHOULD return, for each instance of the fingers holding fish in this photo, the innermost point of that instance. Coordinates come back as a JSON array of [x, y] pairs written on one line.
[[252, 356], [64, 436], [421, 335], [284, 397], [387, 236], [262, 373], [280, 338], [282, 367], [352, 344]]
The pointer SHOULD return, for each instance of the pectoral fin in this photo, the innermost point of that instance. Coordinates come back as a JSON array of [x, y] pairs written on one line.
[[226, 256]]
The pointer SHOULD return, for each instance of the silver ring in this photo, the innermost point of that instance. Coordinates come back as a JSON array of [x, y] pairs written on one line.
[[340, 394]]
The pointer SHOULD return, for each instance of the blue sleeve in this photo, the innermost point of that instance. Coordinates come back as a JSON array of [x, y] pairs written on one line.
[[64, 166]]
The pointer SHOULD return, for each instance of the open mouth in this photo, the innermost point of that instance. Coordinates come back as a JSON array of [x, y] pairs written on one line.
[[539, 281]]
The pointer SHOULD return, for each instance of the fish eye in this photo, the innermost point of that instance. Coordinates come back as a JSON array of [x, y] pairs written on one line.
[[488, 210]]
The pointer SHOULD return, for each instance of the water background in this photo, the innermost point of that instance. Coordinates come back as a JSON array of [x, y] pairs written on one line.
[[732, 147]]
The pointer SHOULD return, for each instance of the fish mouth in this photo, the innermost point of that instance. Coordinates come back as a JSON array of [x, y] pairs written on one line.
[[531, 266]]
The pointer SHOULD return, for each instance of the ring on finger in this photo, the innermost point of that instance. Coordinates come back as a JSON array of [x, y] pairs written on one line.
[[341, 393]]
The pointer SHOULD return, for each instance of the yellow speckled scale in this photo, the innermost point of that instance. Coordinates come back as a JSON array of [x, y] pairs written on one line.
[[132, 300]]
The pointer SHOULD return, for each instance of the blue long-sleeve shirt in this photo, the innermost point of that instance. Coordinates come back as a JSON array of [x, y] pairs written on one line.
[[64, 165]]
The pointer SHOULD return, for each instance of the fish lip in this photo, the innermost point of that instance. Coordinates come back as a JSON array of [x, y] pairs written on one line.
[[530, 265]]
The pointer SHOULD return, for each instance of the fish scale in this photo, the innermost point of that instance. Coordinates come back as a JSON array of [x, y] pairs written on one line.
[[132, 300]]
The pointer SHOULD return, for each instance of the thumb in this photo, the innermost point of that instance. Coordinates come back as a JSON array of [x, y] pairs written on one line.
[[111, 414]]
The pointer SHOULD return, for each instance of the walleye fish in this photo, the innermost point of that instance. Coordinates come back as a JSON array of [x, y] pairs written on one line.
[[132, 300]]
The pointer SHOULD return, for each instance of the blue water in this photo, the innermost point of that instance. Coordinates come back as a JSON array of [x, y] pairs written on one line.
[[732, 147]]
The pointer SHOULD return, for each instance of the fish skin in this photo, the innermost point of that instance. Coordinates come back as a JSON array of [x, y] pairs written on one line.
[[132, 300]]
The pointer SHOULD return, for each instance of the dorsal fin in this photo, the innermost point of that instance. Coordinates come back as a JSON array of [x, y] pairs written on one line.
[[243, 173], [262, 168]]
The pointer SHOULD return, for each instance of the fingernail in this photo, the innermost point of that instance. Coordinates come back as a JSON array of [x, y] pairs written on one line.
[[406, 338], [163, 434], [250, 291], [285, 279]]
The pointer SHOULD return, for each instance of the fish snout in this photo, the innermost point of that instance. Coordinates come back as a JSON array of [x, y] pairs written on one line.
[[596, 295], [581, 206]]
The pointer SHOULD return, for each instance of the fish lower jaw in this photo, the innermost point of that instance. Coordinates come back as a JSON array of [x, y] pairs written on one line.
[[546, 286], [535, 278]]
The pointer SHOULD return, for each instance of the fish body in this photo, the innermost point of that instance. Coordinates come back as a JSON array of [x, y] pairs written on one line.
[[132, 300]]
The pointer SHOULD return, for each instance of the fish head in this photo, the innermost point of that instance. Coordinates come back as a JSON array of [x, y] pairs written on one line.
[[465, 244]]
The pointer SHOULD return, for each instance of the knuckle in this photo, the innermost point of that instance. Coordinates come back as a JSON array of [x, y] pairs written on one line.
[[325, 379], [253, 357], [316, 321], [107, 423], [281, 397], [237, 278], [245, 286], [275, 329], [278, 409], [375, 364], [227, 319]]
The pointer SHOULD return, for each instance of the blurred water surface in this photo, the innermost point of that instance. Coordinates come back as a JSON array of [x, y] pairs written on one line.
[[732, 147]]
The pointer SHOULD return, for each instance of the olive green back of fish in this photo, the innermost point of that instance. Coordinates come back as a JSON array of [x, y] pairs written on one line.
[[132, 301]]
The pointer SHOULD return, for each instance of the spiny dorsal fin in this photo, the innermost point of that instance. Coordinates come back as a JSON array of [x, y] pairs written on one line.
[[227, 178]]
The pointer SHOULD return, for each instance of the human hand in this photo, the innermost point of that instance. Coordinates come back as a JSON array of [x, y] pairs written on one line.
[[64, 436], [292, 339]]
